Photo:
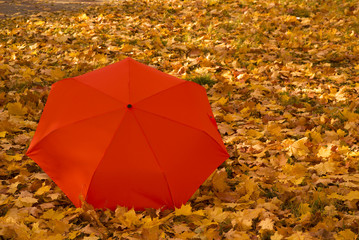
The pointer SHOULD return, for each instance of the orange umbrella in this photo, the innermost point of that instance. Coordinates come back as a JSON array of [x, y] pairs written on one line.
[[127, 134]]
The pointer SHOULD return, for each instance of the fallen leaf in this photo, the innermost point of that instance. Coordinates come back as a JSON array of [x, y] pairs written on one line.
[[298, 149], [346, 234], [185, 210], [16, 109], [266, 224]]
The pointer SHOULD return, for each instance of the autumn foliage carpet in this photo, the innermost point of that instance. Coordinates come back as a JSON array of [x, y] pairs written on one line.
[[283, 81]]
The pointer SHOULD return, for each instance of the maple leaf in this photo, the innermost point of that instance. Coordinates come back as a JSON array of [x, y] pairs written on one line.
[[91, 238], [16, 109], [130, 219], [247, 216], [346, 234], [298, 149], [283, 86], [219, 181], [324, 152], [326, 167], [51, 214], [277, 236], [185, 210], [42, 190], [26, 201], [57, 74], [352, 195], [266, 224]]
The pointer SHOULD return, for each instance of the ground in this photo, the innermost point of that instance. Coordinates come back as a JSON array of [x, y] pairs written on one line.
[[282, 78], [13, 8]]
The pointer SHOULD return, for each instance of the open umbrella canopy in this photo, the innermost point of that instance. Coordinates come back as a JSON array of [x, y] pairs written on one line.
[[129, 135]]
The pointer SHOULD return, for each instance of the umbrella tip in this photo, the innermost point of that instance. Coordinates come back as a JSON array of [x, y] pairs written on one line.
[[129, 106]]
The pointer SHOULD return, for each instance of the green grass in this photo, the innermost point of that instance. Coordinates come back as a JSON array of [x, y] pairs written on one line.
[[202, 80]]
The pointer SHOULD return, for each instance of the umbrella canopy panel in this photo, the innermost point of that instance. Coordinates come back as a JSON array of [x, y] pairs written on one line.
[[128, 135]]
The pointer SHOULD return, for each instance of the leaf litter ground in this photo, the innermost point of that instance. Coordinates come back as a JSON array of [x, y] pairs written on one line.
[[283, 81]]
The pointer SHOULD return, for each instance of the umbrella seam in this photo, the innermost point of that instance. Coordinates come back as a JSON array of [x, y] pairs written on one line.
[[185, 82], [129, 81], [66, 125], [158, 163], [97, 90], [99, 162], [187, 125]]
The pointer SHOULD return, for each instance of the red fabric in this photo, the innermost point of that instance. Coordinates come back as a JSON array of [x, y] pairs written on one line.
[[127, 134]]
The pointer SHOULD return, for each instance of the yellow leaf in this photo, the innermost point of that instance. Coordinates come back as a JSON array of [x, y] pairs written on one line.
[[274, 130], [323, 168], [83, 16], [330, 210], [296, 173], [247, 216], [186, 235], [245, 112], [299, 149], [39, 23], [57, 74], [255, 134], [222, 101], [353, 195], [16, 157], [225, 128], [316, 136], [212, 2], [346, 234], [130, 218], [181, 228], [28, 73], [341, 133], [16, 109], [73, 234], [228, 118], [51, 214], [3, 134], [185, 210], [250, 188], [216, 214], [266, 224], [324, 152], [91, 238], [101, 58], [296, 169], [150, 233], [284, 98], [62, 38], [305, 218], [297, 181], [126, 48], [276, 236], [219, 181], [351, 116], [298, 236], [43, 189], [287, 115], [27, 201], [336, 196], [157, 42], [354, 154], [304, 208]]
